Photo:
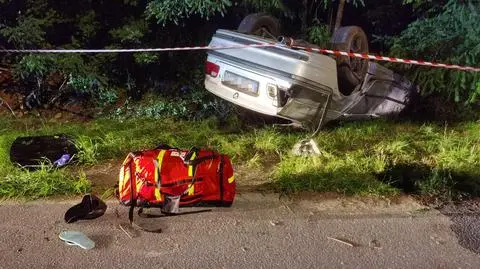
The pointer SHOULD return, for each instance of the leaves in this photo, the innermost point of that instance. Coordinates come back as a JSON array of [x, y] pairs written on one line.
[[265, 5], [444, 35], [130, 33], [28, 33], [319, 35], [452, 36], [165, 11], [88, 25]]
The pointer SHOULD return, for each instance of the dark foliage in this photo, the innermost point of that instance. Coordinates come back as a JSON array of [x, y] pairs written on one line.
[[447, 30]]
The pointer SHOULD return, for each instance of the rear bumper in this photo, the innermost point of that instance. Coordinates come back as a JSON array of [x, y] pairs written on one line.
[[241, 99]]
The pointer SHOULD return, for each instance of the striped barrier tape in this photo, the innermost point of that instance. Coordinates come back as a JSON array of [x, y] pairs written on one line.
[[323, 51], [389, 59], [136, 50]]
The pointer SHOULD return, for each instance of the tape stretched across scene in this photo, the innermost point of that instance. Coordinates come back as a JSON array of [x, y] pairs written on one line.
[[308, 49]]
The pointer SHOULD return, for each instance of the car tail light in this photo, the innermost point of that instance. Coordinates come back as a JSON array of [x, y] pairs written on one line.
[[272, 92], [278, 94], [212, 69]]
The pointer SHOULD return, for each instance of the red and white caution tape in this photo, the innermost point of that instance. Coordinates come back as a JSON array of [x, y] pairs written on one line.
[[137, 50], [389, 59], [324, 51]]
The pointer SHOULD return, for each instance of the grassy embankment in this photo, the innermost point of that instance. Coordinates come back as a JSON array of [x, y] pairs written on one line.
[[376, 158]]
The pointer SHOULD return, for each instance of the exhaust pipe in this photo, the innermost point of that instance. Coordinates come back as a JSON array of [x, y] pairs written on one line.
[[287, 41], [290, 42]]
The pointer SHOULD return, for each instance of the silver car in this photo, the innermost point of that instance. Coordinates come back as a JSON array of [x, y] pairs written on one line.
[[306, 88]]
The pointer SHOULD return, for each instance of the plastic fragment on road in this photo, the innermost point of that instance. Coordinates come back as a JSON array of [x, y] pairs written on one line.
[[276, 222], [343, 241], [75, 238]]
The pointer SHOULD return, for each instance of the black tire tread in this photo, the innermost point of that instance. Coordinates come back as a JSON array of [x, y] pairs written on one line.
[[341, 40], [257, 20]]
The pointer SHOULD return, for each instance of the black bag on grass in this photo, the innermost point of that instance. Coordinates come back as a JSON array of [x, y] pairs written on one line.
[[30, 152]]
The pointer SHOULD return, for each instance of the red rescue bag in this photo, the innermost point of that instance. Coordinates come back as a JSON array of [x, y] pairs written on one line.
[[168, 178]]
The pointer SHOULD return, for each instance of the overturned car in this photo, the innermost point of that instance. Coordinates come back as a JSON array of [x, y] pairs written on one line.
[[306, 88]]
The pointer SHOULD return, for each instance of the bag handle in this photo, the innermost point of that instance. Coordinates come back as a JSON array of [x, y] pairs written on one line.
[[188, 156], [194, 162]]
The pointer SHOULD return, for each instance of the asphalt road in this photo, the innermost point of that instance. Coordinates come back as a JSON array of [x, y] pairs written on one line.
[[257, 232]]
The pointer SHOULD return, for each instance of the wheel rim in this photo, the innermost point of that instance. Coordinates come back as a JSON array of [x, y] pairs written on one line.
[[264, 32], [357, 64]]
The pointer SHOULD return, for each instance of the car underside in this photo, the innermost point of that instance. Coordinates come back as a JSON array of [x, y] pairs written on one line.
[[306, 88]]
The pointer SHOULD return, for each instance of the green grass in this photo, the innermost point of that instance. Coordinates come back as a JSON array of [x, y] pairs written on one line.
[[42, 183], [362, 158]]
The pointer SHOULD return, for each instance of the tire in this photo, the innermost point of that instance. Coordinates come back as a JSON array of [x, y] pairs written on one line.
[[260, 24], [351, 71]]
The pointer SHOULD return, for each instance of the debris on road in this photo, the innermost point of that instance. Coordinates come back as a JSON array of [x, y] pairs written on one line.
[[75, 238], [375, 244], [276, 223], [91, 207], [343, 241], [287, 207], [125, 231]]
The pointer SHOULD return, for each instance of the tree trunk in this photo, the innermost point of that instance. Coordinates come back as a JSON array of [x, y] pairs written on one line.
[[304, 16], [330, 17], [338, 21]]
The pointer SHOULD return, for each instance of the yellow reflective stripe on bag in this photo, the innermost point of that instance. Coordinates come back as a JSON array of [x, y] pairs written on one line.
[[190, 167], [124, 184], [138, 171], [124, 176], [158, 164], [191, 187]]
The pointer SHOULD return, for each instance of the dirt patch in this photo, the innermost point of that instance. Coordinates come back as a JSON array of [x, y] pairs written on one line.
[[471, 206], [253, 178], [11, 100], [6, 77], [103, 176]]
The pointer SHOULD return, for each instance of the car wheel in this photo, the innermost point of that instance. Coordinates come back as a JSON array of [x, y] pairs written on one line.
[[351, 71], [260, 24]]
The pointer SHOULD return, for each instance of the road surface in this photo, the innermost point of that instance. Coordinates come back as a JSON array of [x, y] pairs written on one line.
[[259, 231]]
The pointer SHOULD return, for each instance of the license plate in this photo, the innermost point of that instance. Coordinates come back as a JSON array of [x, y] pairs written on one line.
[[240, 83]]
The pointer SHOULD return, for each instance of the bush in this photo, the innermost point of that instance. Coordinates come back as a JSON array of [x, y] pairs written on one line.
[[319, 35], [450, 36]]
